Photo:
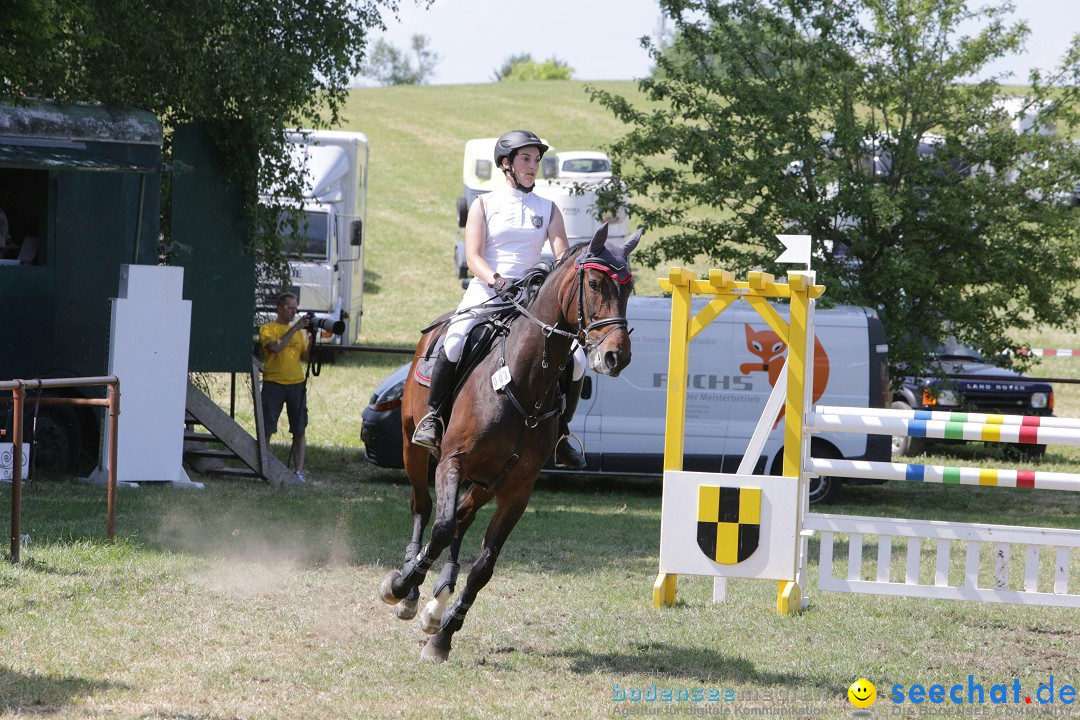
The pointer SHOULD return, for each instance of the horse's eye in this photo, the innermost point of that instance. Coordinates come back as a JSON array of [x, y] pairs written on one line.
[[594, 286]]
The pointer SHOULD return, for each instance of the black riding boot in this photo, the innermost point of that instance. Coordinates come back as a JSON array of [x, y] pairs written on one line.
[[566, 455], [429, 430]]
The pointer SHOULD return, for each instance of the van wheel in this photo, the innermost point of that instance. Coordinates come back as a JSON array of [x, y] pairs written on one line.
[[459, 261], [902, 445], [824, 489], [462, 211]]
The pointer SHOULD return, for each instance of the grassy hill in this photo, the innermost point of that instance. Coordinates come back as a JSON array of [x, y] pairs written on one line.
[[417, 137]]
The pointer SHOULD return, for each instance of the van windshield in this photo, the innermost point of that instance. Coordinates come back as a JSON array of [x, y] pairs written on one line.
[[313, 233], [587, 165], [955, 350]]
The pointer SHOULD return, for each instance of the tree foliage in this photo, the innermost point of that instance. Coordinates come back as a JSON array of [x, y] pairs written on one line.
[[249, 68], [767, 116], [390, 65], [523, 67]]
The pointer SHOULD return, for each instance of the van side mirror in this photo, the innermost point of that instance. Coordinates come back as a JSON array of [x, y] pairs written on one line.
[[357, 233], [586, 387]]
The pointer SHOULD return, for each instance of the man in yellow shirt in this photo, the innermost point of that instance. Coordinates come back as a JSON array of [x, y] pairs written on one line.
[[286, 347]]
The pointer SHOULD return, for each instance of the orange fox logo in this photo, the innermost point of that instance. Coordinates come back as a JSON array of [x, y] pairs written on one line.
[[768, 346]]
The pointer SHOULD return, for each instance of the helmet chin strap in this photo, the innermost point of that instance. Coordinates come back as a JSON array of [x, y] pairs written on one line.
[[517, 185]]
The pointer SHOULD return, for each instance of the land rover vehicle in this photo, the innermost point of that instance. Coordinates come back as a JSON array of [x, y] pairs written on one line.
[[733, 365], [969, 382]]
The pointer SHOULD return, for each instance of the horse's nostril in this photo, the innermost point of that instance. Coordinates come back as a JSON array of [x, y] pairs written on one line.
[[611, 360]]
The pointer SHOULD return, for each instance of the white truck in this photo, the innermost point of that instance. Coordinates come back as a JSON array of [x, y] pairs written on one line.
[[327, 265], [570, 179]]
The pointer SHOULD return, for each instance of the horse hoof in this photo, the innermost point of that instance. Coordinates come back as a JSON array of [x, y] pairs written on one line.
[[406, 609], [434, 654], [386, 590], [428, 621]]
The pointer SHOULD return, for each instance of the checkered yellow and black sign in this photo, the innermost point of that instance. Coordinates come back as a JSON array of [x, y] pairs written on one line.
[[728, 522]]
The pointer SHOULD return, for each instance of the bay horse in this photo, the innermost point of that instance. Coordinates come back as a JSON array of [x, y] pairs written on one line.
[[496, 441]]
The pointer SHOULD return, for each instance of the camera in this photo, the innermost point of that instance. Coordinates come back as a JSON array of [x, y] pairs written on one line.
[[326, 324]]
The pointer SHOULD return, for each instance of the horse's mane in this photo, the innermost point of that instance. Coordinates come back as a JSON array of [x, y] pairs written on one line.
[[532, 280]]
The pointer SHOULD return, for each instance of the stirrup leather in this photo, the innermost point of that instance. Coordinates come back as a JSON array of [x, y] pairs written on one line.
[[429, 431]]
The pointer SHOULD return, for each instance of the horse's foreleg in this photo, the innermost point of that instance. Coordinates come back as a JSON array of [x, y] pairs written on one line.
[[416, 466], [400, 583], [502, 522], [432, 614]]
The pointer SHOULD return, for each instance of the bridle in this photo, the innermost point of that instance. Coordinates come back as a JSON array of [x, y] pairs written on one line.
[[618, 275]]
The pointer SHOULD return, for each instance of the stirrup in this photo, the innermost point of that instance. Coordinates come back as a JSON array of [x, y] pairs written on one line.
[[429, 431], [571, 457]]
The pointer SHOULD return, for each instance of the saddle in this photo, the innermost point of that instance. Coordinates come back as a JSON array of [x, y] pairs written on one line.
[[477, 345]]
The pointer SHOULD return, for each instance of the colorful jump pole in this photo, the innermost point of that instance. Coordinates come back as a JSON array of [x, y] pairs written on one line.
[[986, 477]]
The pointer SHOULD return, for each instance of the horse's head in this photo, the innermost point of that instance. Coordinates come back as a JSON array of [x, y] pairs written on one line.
[[603, 285]]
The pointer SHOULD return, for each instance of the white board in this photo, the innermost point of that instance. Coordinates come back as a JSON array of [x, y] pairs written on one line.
[[148, 352], [775, 555]]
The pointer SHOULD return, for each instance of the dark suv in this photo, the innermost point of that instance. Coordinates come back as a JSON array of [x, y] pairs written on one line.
[[971, 383]]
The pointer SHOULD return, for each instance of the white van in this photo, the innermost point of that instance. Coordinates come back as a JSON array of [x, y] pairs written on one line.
[[733, 364], [570, 179]]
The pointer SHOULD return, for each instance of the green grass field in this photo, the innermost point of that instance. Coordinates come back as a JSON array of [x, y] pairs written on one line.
[[244, 601]]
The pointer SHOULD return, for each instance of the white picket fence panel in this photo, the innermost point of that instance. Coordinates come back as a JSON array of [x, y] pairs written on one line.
[[1051, 589]]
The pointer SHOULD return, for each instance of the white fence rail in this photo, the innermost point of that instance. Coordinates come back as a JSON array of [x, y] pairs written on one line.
[[989, 551]]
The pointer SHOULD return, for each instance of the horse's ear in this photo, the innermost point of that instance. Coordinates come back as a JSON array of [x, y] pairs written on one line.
[[629, 245], [597, 245]]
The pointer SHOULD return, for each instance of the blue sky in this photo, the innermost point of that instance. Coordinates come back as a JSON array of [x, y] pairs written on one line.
[[599, 38]]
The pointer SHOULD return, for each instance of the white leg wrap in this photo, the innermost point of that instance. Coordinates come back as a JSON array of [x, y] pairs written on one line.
[[432, 614]]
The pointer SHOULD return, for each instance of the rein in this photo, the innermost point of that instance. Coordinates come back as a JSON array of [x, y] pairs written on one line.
[[549, 386], [582, 336]]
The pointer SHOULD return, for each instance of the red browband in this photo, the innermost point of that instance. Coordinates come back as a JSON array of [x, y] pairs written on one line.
[[617, 277]]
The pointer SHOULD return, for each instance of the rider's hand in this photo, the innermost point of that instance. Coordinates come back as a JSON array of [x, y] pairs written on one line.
[[502, 287]]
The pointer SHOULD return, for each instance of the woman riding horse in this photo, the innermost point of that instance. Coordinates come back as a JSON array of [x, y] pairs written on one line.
[[504, 236], [504, 426]]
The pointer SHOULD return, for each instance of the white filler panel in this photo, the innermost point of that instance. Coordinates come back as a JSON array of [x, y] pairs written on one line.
[[148, 352], [689, 521]]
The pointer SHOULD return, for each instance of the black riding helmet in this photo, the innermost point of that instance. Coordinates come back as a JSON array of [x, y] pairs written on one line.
[[513, 141], [507, 147]]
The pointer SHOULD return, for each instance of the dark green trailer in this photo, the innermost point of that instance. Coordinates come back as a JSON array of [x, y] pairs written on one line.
[[80, 186]]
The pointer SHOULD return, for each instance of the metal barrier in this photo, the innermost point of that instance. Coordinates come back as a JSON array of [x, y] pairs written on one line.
[[18, 399]]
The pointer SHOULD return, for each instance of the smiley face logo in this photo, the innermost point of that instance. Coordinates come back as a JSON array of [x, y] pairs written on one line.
[[862, 693]]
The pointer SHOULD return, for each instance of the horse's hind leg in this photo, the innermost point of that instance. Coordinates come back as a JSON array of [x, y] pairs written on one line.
[[502, 522], [399, 584], [417, 468], [432, 614]]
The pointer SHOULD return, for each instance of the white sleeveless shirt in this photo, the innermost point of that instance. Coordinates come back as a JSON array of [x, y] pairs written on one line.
[[517, 227]]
